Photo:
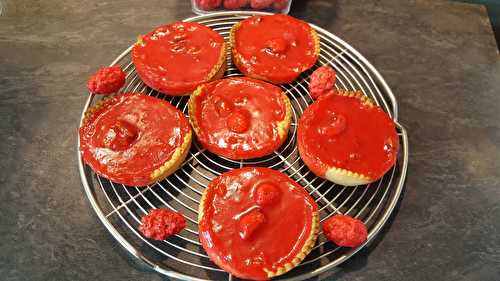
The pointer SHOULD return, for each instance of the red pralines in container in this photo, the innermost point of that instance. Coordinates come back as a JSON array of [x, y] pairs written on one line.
[[208, 6]]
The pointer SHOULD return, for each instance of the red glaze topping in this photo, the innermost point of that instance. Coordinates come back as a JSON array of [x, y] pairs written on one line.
[[106, 80], [244, 237], [266, 194], [343, 132], [250, 222], [162, 223], [178, 57], [277, 47], [322, 81], [121, 135], [345, 231], [238, 117], [130, 136]]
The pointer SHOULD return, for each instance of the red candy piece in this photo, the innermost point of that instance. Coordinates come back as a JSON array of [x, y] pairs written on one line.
[[106, 80], [208, 4], [280, 4], [238, 122], [260, 4], [336, 126], [266, 194], [121, 135], [222, 106], [277, 45], [250, 222], [345, 231], [235, 4], [161, 223], [322, 81]]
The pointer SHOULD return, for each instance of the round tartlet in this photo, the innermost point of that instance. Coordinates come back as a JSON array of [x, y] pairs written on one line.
[[257, 223], [345, 138], [274, 48], [240, 117], [176, 58], [134, 139]]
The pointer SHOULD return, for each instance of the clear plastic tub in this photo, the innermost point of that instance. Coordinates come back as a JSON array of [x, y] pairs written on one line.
[[202, 7]]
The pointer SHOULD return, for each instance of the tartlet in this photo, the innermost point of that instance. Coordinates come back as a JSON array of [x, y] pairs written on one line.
[[275, 48], [347, 139], [257, 223], [240, 117], [134, 139], [176, 58]]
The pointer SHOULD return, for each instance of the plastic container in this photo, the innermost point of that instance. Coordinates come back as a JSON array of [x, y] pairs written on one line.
[[202, 7]]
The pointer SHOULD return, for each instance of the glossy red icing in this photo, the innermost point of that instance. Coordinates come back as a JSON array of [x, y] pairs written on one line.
[[175, 58], [266, 194], [339, 131], [238, 117], [244, 237], [130, 136], [239, 121], [277, 47], [123, 135], [249, 223]]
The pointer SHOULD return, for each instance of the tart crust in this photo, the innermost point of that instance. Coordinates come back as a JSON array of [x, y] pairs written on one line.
[[346, 177], [283, 126], [306, 248], [236, 57], [175, 162], [167, 168]]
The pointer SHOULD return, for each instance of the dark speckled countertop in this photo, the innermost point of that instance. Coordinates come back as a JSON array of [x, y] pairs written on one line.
[[439, 57]]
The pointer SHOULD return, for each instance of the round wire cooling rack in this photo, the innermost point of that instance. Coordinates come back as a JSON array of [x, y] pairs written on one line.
[[120, 207]]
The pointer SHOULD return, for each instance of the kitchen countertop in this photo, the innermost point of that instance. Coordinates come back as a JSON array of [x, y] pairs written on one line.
[[440, 59]]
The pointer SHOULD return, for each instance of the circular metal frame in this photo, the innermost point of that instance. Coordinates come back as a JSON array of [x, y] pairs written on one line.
[[119, 207]]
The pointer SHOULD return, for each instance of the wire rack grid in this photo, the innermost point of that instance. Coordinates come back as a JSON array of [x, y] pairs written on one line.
[[120, 207]]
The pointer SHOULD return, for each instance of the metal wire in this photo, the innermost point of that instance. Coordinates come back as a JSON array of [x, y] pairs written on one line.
[[120, 208]]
